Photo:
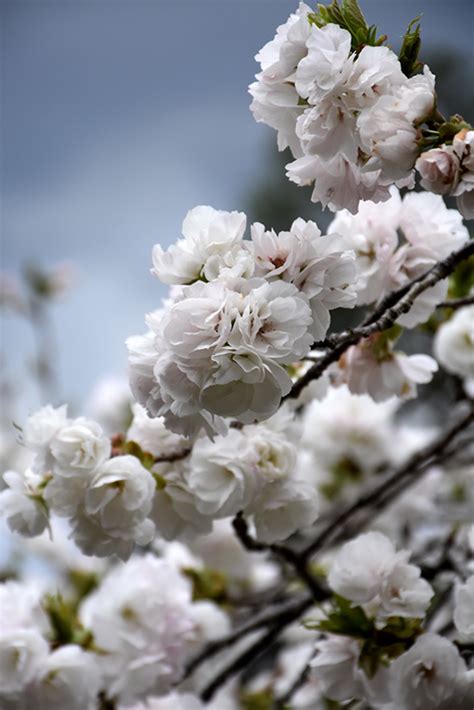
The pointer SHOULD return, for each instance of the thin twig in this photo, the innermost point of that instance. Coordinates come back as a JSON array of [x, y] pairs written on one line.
[[299, 681], [457, 303], [289, 611], [241, 662]]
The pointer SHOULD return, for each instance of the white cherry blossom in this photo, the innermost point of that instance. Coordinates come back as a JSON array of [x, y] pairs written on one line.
[[152, 435], [388, 131], [212, 241], [335, 667], [464, 610], [439, 170], [369, 571], [463, 146], [142, 616], [454, 343], [431, 674], [282, 508], [79, 445], [22, 652], [68, 678], [21, 504], [120, 495], [365, 370]]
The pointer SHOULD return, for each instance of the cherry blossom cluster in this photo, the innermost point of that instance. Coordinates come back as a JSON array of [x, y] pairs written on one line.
[[372, 646], [280, 500], [241, 312], [114, 500], [352, 113], [106, 499], [355, 441], [32, 673], [350, 118], [129, 638]]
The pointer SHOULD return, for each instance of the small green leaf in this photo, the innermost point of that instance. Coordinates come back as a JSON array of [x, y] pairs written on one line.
[[146, 459], [461, 283], [65, 626], [261, 700], [343, 473], [354, 17], [345, 620], [208, 584]]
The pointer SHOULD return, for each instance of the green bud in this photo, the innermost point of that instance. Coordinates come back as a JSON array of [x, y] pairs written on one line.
[[410, 48], [348, 16]]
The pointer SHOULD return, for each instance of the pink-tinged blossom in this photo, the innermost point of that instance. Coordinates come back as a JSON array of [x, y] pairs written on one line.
[[382, 373], [370, 572], [143, 618]]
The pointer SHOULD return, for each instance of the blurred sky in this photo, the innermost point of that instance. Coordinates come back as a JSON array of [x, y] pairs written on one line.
[[118, 116]]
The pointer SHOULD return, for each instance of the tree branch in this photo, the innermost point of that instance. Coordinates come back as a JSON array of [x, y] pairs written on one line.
[[288, 612], [248, 656], [318, 592], [394, 305], [389, 488]]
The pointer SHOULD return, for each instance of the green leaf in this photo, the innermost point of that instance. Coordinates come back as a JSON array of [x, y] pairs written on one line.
[[83, 584], [146, 459], [461, 283], [354, 17], [262, 700], [345, 620], [343, 473], [208, 584], [65, 626]]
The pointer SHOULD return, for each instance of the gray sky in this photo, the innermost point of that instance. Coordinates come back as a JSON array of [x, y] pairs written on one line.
[[119, 116]]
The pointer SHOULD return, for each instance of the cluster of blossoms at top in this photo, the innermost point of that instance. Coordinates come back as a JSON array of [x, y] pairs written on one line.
[[351, 118], [241, 312]]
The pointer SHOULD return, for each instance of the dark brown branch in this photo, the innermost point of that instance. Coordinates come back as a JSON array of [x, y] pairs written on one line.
[[394, 305], [457, 303], [299, 564], [287, 612], [284, 700], [384, 492], [242, 661], [171, 458]]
